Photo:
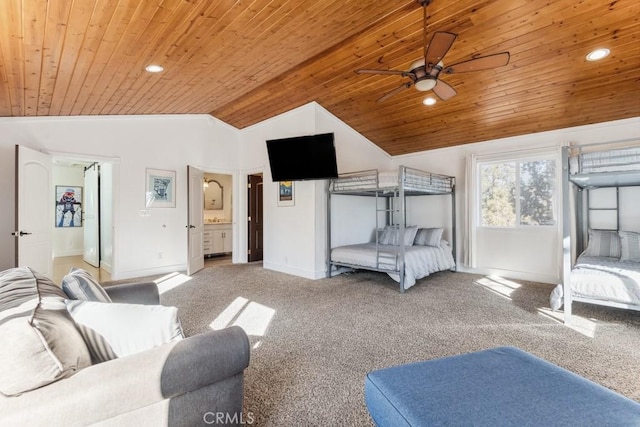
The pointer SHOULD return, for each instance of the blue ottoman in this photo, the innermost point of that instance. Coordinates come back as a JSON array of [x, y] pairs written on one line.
[[495, 387]]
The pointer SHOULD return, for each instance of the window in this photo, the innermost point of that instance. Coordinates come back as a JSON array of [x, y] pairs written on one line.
[[517, 193]]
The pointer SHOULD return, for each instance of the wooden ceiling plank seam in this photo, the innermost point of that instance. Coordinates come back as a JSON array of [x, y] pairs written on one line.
[[93, 34], [136, 55], [388, 17], [77, 28], [178, 59], [303, 28], [115, 28], [116, 67], [34, 18], [55, 34], [247, 17], [165, 43], [300, 25], [12, 48]]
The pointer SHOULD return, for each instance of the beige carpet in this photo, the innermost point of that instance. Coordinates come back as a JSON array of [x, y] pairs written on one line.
[[314, 341]]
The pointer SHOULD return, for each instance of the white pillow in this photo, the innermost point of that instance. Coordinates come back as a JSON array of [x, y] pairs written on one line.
[[630, 246], [125, 328], [80, 284], [603, 243]]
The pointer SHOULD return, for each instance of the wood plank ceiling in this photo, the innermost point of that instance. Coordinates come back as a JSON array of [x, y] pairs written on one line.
[[246, 61]]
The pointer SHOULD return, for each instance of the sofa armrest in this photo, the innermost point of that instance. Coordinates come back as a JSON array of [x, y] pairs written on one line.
[[107, 390], [205, 359], [135, 293]]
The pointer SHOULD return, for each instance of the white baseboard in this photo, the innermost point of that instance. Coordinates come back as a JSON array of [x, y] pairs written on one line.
[[132, 274], [515, 275]]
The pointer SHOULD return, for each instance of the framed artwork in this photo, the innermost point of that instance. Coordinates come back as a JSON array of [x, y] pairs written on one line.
[[286, 196], [160, 189], [68, 206]]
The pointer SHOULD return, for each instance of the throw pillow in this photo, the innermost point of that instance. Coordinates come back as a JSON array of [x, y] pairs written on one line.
[[118, 330], [41, 342], [389, 235], [604, 243], [630, 246], [429, 236], [80, 284]]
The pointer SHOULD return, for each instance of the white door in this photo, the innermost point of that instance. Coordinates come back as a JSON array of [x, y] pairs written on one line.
[[35, 211], [195, 214], [90, 208]]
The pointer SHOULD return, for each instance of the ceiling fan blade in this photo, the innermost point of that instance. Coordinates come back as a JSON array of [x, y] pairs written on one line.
[[438, 47], [477, 64], [394, 91], [393, 72], [444, 90]]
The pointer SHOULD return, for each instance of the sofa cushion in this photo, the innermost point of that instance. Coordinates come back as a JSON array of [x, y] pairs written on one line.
[[80, 284], [45, 345], [114, 330]]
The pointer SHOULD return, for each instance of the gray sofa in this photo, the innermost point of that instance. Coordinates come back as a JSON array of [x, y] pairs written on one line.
[[191, 382]]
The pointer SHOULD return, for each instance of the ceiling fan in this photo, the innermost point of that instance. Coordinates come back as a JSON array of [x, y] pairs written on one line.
[[424, 73]]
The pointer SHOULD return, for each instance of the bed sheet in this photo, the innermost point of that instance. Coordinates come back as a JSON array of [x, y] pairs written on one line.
[[420, 261], [602, 278]]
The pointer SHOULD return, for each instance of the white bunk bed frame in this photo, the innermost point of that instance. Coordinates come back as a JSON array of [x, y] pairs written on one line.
[[613, 168], [371, 183]]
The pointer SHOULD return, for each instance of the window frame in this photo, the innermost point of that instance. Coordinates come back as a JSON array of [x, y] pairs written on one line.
[[518, 160]]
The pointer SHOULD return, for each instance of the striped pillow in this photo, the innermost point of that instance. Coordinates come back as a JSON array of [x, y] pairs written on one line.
[[630, 243], [603, 243], [429, 236], [79, 284]]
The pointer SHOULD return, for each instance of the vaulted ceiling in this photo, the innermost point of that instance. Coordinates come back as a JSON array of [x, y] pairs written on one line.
[[246, 61]]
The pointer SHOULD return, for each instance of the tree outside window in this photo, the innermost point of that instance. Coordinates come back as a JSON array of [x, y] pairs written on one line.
[[515, 193]]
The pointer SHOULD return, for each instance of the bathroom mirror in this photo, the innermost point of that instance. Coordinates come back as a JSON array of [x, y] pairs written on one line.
[[212, 194]]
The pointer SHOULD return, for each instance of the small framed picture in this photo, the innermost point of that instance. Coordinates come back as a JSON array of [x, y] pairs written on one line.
[[160, 189], [286, 196], [68, 206]]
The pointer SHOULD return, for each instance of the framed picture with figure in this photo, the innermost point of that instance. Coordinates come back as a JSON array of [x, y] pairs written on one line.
[[68, 206], [286, 196], [160, 189]]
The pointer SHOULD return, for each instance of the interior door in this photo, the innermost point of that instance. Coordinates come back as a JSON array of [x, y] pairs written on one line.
[[195, 214], [255, 219], [91, 209], [34, 211]]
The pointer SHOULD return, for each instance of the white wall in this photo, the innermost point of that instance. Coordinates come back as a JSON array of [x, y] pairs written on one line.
[[142, 245], [533, 254], [295, 236]]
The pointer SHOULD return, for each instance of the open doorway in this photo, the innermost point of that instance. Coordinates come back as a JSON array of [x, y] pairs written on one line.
[[82, 230]]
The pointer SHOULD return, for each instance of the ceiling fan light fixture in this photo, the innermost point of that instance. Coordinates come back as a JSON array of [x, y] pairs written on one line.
[[598, 54], [425, 84]]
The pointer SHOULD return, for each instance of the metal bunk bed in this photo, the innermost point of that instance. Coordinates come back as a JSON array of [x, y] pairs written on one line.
[[393, 188], [601, 280]]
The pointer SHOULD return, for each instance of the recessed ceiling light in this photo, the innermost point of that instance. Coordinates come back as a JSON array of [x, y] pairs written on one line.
[[153, 68], [429, 101], [598, 54]]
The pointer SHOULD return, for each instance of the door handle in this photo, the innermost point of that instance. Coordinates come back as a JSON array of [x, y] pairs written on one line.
[[20, 233], [192, 226]]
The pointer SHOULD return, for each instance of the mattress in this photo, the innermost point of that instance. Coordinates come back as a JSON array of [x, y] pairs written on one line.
[[603, 279], [414, 180], [420, 261], [622, 160]]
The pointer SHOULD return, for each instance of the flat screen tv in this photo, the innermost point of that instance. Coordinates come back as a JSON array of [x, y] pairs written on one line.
[[303, 158]]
